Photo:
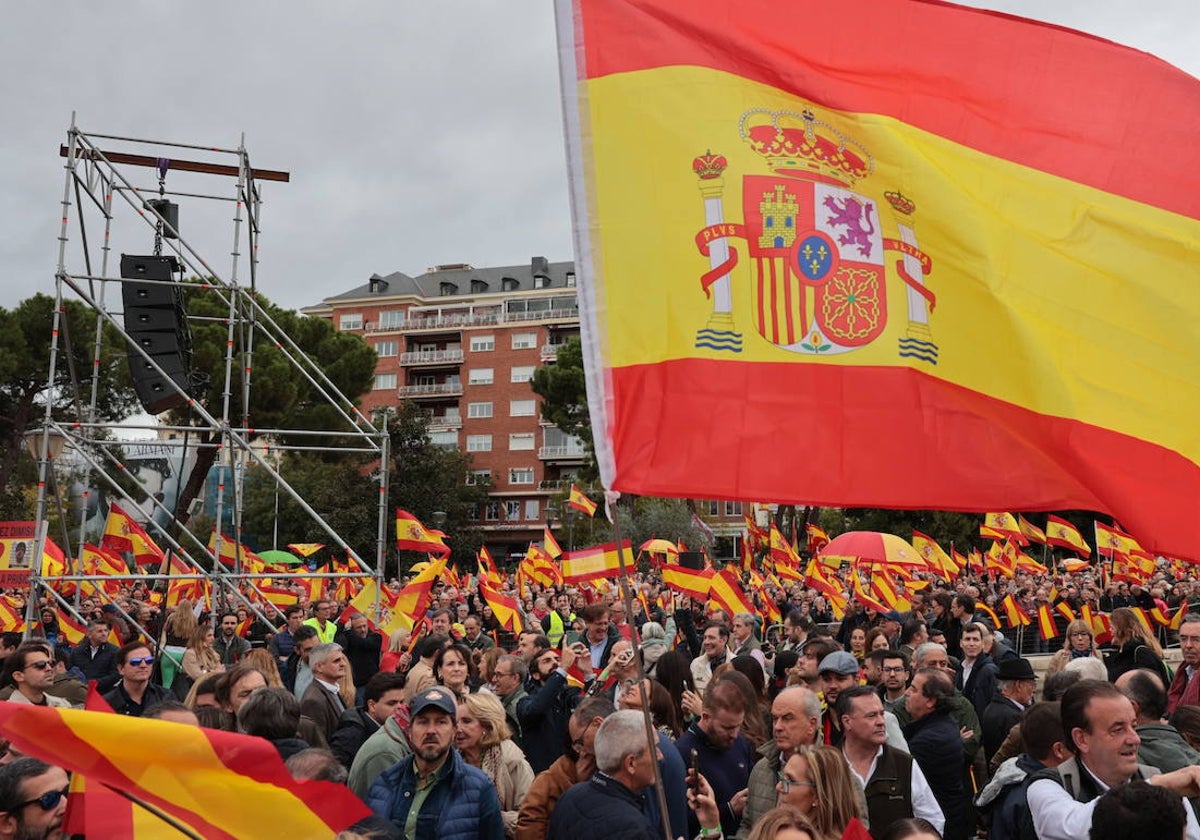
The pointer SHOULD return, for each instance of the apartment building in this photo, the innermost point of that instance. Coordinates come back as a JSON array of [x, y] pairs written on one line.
[[463, 342]]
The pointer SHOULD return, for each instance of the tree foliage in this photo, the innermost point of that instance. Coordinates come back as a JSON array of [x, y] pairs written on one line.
[[25, 348], [563, 390], [427, 479], [281, 396]]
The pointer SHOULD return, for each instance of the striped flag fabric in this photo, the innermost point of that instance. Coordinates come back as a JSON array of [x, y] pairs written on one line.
[[221, 785], [1045, 622], [553, 549], [1062, 534], [594, 563], [1032, 532], [727, 591], [695, 583], [413, 536], [505, 607], [579, 500], [1014, 612], [123, 534], [1111, 541], [876, 179]]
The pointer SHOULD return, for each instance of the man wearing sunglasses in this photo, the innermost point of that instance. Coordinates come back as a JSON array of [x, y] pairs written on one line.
[[135, 693], [33, 800], [32, 667]]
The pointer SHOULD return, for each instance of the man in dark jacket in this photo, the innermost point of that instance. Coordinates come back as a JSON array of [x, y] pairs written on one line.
[[381, 695], [544, 712], [95, 657], [724, 756], [610, 803], [937, 746], [454, 801], [976, 677], [363, 648], [1016, 684], [135, 693], [1002, 801]]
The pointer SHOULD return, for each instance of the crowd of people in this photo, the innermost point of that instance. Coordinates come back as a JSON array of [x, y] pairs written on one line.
[[659, 715]]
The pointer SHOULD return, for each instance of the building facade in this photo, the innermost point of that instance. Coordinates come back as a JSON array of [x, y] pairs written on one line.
[[463, 343]]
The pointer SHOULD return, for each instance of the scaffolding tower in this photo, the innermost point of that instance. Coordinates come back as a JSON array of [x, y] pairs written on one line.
[[105, 207]]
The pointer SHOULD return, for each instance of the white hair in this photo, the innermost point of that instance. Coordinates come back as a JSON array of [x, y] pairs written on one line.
[[1089, 668], [621, 735]]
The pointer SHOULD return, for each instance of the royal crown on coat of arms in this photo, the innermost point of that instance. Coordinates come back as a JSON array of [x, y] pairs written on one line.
[[816, 244]]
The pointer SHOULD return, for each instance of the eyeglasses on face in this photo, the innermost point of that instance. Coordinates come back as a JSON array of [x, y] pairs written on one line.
[[41, 665], [786, 784], [141, 660], [893, 669], [1082, 633], [48, 801], [578, 742]]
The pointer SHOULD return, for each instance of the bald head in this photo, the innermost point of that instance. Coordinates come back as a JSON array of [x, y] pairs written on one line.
[[1146, 692]]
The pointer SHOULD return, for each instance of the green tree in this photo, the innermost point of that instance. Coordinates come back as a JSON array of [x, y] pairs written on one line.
[[426, 479], [338, 490], [563, 390], [25, 347], [280, 394]]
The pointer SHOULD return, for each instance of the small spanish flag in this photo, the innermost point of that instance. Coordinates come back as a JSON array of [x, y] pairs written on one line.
[[579, 500], [412, 535], [695, 583], [1045, 621], [1016, 615], [600, 561], [505, 607], [1064, 609], [727, 591], [550, 544]]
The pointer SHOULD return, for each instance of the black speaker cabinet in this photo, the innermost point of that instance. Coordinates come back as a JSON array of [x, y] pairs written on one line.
[[155, 321]]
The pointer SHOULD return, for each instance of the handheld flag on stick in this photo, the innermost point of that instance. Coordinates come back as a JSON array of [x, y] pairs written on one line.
[[579, 500]]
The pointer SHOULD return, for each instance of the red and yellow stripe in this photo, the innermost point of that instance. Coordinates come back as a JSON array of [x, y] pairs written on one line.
[[1082, 210], [219, 784]]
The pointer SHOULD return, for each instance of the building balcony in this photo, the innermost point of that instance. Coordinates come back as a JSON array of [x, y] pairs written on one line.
[[418, 323], [553, 484], [562, 453], [542, 315], [445, 424], [439, 389], [432, 357], [549, 352]]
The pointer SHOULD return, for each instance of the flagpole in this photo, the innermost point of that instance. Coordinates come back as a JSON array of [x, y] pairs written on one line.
[[610, 499]]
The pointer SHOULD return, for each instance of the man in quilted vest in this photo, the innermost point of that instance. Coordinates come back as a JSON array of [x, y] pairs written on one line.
[[433, 794]]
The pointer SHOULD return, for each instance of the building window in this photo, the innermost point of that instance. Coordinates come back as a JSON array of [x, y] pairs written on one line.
[[385, 382], [512, 511], [532, 510], [479, 477], [391, 319], [522, 408], [714, 507], [479, 410], [481, 376], [483, 343], [521, 373], [350, 322], [524, 341], [479, 443], [520, 475], [444, 440], [521, 442], [733, 508], [492, 512], [386, 348]]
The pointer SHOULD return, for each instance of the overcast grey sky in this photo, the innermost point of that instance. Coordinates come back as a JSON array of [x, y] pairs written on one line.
[[416, 132]]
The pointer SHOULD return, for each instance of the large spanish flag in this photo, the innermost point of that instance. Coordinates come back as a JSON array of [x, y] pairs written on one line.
[[218, 784], [886, 253]]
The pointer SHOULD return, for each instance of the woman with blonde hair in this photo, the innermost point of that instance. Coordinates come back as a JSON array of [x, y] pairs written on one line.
[[200, 658], [1136, 647], [485, 741], [397, 657], [1079, 642], [177, 631], [816, 780], [783, 822], [262, 659]]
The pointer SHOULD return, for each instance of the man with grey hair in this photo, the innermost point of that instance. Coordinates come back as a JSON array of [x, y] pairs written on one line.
[[933, 655], [796, 720], [1089, 668], [609, 804], [1162, 746], [322, 701], [508, 683]]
